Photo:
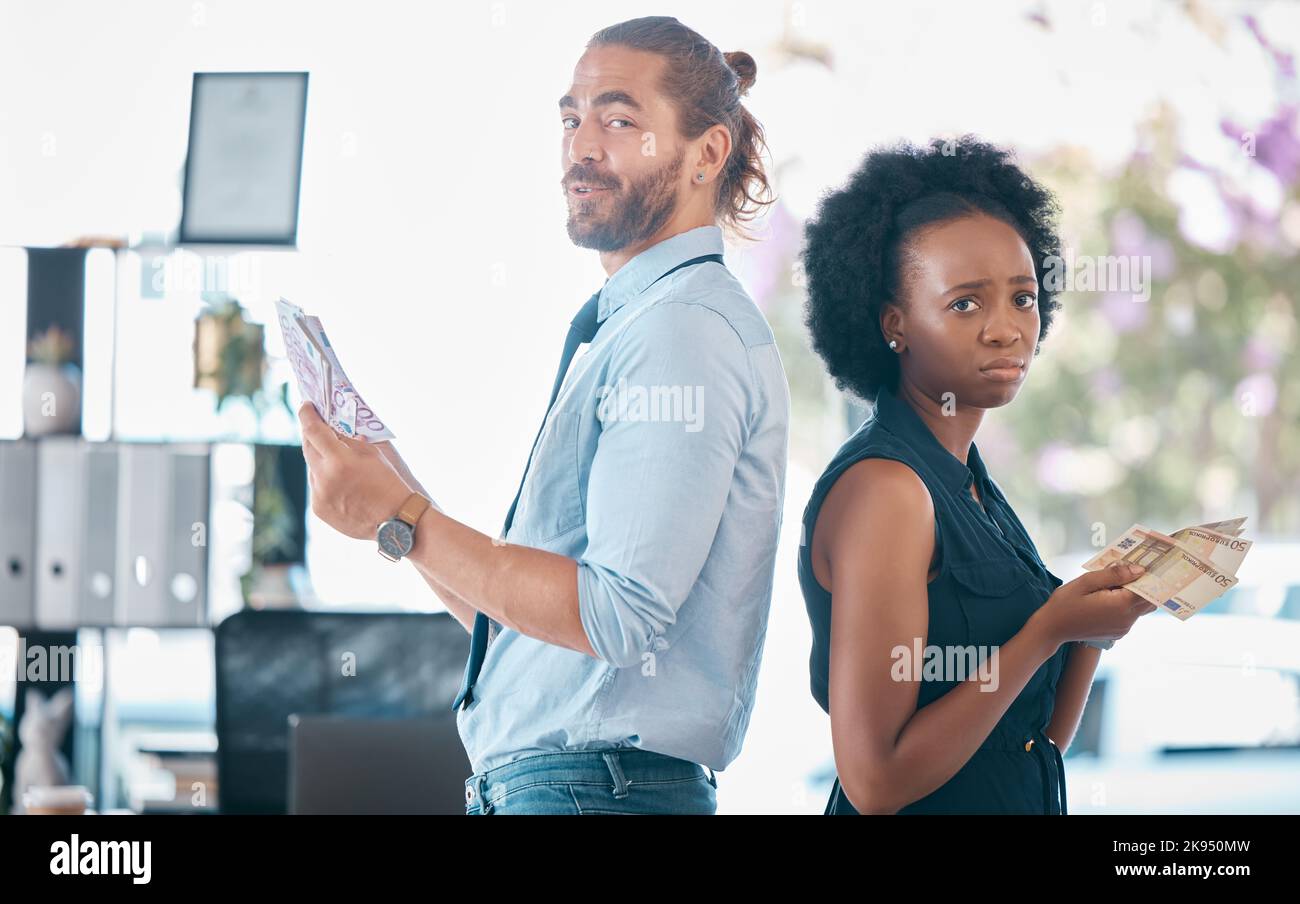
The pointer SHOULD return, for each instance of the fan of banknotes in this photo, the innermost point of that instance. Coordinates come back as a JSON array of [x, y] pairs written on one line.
[[321, 379], [1185, 571]]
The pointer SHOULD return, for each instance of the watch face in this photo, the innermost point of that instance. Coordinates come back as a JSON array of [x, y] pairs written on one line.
[[396, 538]]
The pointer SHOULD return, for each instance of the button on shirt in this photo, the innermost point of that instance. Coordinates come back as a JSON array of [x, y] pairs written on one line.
[[661, 470]]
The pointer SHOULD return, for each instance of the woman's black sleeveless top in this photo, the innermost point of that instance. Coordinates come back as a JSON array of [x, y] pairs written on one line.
[[990, 581]]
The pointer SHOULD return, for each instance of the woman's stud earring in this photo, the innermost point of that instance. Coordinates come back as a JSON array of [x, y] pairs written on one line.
[[893, 344], [699, 177]]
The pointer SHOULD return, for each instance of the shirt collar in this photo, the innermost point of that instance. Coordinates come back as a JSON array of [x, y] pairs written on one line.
[[634, 277], [901, 419]]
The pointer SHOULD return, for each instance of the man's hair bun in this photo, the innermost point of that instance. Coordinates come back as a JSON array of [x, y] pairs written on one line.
[[745, 68]]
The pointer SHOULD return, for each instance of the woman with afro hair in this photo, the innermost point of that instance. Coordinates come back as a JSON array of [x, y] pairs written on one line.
[[953, 664]]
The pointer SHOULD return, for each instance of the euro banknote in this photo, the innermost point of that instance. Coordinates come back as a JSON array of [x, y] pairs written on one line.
[[321, 378], [1185, 571]]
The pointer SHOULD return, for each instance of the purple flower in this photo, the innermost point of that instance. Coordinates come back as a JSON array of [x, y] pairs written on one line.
[[1054, 464], [1128, 232], [1259, 354], [1104, 382], [1257, 394], [1277, 148], [769, 268], [1285, 62], [1163, 260], [1129, 238], [1124, 312]]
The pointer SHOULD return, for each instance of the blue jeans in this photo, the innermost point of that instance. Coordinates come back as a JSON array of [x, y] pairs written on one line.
[[581, 782]]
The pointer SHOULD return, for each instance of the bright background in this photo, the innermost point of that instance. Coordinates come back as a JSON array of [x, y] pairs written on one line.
[[431, 232]]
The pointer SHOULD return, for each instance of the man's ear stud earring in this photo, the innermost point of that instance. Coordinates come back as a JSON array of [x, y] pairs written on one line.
[[893, 344]]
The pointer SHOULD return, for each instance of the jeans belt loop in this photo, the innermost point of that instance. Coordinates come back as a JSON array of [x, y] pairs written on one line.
[[616, 772]]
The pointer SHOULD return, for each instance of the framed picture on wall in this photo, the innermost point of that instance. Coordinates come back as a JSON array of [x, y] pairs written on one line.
[[243, 171]]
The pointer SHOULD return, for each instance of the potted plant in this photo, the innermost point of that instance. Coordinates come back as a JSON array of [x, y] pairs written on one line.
[[229, 356], [51, 385], [277, 528]]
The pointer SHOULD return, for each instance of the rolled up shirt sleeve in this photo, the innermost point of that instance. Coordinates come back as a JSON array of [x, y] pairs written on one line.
[[675, 414]]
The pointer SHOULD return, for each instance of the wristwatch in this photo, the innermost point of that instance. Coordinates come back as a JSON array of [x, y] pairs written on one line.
[[396, 536]]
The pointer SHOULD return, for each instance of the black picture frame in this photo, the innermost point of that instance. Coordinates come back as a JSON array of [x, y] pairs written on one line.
[[188, 234]]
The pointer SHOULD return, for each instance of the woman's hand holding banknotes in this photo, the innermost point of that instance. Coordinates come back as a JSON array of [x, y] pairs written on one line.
[[1094, 606]]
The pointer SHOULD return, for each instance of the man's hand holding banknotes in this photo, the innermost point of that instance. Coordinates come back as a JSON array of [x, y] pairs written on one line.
[[354, 485], [358, 480]]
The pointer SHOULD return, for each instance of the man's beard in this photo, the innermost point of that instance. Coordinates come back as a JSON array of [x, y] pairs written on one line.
[[634, 214]]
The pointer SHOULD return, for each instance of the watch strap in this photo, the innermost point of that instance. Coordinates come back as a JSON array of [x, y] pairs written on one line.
[[413, 509]]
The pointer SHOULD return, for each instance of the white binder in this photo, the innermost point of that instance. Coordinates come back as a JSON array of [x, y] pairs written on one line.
[[99, 535], [162, 517], [187, 575], [60, 492], [17, 533]]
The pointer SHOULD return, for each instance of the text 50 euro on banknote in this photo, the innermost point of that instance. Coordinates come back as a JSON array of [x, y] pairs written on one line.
[[1185, 571]]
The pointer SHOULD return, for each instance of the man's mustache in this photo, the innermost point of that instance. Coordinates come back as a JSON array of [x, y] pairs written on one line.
[[585, 177]]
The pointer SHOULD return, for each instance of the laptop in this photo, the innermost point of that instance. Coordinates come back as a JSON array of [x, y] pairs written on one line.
[[340, 765]]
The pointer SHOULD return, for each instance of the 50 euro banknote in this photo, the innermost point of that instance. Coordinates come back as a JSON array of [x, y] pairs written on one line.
[[321, 379], [1186, 570]]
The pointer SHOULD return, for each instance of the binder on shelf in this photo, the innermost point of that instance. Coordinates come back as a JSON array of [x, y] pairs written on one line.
[[99, 540], [60, 491], [17, 532], [187, 578], [162, 523]]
